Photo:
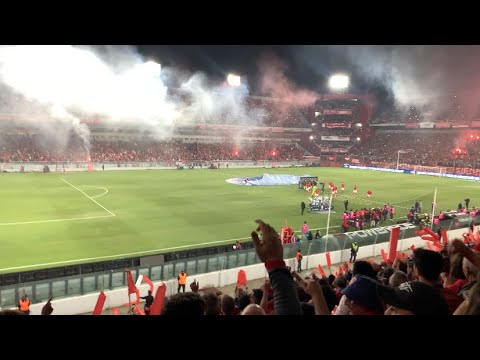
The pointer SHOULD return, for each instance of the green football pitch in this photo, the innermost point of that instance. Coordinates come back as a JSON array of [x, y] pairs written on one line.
[[49, 220]]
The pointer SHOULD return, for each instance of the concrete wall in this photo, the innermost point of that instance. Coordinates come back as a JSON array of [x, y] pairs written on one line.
[[116, 298], [72, 167]]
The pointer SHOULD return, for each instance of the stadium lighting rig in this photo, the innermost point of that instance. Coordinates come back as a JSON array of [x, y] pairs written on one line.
[[233, 80], [152, 68], [338, 82]]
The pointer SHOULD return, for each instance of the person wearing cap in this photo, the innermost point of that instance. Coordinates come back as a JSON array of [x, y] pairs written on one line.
[[182, 280], [361, 297], [413, 298], [24, 304]]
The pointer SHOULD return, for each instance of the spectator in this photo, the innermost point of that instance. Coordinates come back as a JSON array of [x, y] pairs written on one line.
[[148, 302], [184, 304], [397, 278], [413, 298], [253, 309], [270, 251]]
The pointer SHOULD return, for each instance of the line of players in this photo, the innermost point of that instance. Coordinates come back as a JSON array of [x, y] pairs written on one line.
[[313, 189]]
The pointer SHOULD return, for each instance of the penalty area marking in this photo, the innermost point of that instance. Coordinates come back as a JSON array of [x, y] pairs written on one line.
[[128, 254], [83, 192]]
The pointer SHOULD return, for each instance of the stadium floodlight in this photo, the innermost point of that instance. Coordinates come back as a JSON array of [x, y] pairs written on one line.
[[358, 139], [152, 68], [338, 82], [233, 80]]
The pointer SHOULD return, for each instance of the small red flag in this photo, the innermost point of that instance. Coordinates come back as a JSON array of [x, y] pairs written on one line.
[[329, 261], [149, 282], [241, 278], [444, 236], [100, 302], [132, 289], [157, 306], [384, 255], [320, 270]]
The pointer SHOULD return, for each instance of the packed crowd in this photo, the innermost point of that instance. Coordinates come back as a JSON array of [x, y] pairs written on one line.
[[414, 115], [278, 113], [427, 149], [27, 148], [427, 283], [431, 283]]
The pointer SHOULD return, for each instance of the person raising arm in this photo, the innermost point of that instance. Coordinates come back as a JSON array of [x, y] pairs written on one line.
[[270, 250]]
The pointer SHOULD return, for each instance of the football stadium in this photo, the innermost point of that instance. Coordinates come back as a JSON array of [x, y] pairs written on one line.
[[152, 181]]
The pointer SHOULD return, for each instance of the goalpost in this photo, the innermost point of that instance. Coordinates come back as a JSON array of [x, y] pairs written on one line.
[[441, 171]]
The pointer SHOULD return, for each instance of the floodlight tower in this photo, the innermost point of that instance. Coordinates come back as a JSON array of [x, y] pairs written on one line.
[[152, 68], [233, 80], [338, 82]]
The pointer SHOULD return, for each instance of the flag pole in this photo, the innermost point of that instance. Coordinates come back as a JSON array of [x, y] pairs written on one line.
[[328, 220], [433, 207]]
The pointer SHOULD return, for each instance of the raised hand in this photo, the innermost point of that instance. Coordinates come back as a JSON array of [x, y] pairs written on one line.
[[269, 248], [47, 308]]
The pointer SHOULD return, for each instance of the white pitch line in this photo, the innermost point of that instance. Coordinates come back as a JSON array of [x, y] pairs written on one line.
[[103, 207], [99, 187], [55, 220], [126, 254]]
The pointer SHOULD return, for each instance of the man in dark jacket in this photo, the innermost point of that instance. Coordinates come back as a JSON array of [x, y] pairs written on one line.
[[302, 206], [148, 302]]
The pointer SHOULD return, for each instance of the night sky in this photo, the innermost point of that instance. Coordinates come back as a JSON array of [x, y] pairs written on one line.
[[423, 76], [219, 60]]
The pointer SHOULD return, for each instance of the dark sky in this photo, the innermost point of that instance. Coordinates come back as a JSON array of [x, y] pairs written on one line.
[[219, 60]]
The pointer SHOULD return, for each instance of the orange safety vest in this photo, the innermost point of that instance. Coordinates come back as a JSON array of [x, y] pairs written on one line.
[[182, 279], [24, 305]]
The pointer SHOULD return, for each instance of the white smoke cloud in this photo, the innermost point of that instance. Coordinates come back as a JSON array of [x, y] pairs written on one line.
[[53, 87], [72, 81]]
